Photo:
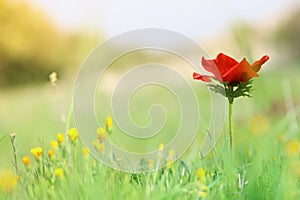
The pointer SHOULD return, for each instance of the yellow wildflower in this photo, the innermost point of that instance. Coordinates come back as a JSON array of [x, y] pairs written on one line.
[[85, 151], [37, 152], [202, 194], [171, 153], [51, 153], [259, 125], [201, 174], [150, 163], [101, 134], [170, 158], [26, 160], [293, 147], [73, 134], [160, 151], [99, 146], [8, 181], [59, 172], [94, 163], [203, 187], [109, 124], [161, 147], [60, 138], [53, 144]]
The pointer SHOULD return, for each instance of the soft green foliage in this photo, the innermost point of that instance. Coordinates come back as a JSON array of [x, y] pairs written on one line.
[[258, 175], [286, 36], [2, 138], [267, 158], [31, 46]]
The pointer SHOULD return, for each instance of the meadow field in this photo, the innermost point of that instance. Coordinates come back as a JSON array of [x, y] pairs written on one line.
[[267, 147], [46, 154]]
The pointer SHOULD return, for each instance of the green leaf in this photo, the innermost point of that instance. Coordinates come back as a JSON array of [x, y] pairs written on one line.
[[232, 91], [217, 87], [240, 90], [2, 138]]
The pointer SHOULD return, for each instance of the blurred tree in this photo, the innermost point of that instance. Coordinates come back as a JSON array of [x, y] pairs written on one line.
[[243, 35], [287, 36], [31, 46]]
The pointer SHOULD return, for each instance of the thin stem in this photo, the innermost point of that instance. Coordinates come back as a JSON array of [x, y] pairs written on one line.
[[13, 143], [70, 112], [231, 131], [53, 80]]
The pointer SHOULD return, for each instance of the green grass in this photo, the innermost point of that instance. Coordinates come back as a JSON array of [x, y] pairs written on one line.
[[267, 147]]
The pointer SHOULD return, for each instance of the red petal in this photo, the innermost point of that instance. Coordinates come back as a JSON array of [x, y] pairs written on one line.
[[201, 77], [257, 64], [210, 65], [219, 66], [242, 72], [225, 63]]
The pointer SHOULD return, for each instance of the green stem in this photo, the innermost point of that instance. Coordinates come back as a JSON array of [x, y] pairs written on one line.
[[231, 131], [13, 143]]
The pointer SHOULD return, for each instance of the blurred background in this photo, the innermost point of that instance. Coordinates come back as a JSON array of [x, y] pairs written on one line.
[[42, 36]]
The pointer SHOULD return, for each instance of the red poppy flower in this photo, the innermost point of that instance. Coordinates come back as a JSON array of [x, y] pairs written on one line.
[[226, 69]]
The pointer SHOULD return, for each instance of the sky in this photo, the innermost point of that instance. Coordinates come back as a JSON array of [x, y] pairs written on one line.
[[196, 18]]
